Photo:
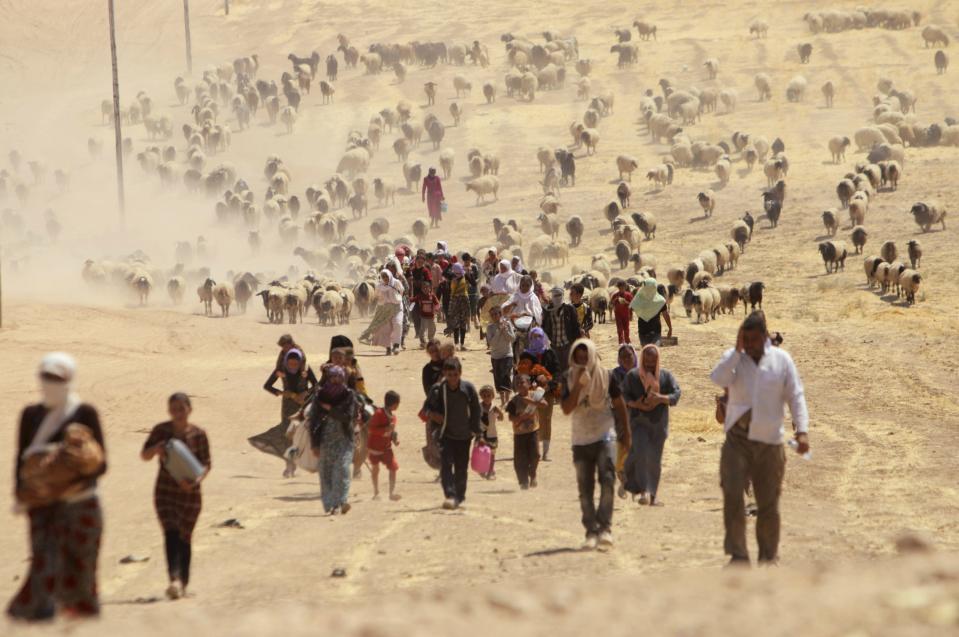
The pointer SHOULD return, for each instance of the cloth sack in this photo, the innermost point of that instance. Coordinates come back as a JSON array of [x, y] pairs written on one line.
[[59, 470]]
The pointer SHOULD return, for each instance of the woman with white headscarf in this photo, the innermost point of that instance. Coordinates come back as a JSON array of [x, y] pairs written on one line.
[[386, 328], [502, 287], [59, 458], [524, 302]]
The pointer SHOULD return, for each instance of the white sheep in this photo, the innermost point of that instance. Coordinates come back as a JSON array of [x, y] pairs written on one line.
[[626, 164], [728, 97], [796, 89], [909, 281], [354, 162], [708, 260], [483, 186], [590, 139], [689, 111], [857, 211], [723, 170], [837, 147], [462, 85], [662, 175], [763, 86], [888, 251], [868, 136]]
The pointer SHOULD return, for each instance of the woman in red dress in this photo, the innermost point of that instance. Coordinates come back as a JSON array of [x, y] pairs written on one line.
[[433, 196]]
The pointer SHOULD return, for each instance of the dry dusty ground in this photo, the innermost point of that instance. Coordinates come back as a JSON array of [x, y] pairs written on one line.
[[880, 378]]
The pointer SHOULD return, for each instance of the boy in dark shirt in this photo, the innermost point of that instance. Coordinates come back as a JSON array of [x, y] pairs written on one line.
[[583, 312]]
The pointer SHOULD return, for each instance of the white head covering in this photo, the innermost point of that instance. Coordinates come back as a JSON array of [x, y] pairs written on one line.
[[58, 397], [392, 290], [505, 282], [597, 385], [59, 364], [527, 303]]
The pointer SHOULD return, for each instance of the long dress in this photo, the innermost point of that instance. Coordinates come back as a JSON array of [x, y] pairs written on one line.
[[386, 328], [433, 191], [177, 509], [64, 536], [459, 312], [274, 440], [332, 434]]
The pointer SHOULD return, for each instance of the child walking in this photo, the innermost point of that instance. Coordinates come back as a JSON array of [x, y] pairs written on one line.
[[500, 335], [380, 443], [426, 302], [488, 419], [621, 312], [522, 410]]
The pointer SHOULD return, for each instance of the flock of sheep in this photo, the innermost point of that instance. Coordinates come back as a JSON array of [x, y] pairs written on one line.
[[316, 223]]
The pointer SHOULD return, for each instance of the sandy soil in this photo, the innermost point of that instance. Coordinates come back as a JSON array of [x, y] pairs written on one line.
[[880, 377]]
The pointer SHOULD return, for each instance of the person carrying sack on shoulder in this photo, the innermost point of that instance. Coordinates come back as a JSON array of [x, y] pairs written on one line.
[[760, 379]]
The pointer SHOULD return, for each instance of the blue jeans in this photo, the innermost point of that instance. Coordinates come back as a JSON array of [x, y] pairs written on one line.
[[645, 462]]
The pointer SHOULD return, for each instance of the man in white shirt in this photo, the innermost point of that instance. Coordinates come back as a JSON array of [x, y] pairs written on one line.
[[760, 378]]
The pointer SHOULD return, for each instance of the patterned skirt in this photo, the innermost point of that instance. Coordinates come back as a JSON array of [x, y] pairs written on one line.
[[65, 544], [176, 509], [459, 313], [336, 466]]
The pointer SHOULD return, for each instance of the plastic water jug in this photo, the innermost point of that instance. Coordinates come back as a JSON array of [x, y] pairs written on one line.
[[481, 460], [181, 463]]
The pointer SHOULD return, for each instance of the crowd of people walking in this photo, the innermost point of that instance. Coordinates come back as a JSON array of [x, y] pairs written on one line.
[[540, 354]]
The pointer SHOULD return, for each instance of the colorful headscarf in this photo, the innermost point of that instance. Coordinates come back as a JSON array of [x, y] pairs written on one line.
[[458, 270], [331, 390], [293, 353], [537, 341]]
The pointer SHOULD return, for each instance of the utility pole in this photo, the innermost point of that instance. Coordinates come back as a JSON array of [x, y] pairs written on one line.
[[186, 27], [121, 199], [226, 5], [1, 286]]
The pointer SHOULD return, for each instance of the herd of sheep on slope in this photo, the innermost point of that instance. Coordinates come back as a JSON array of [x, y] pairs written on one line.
[[306, 216]]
